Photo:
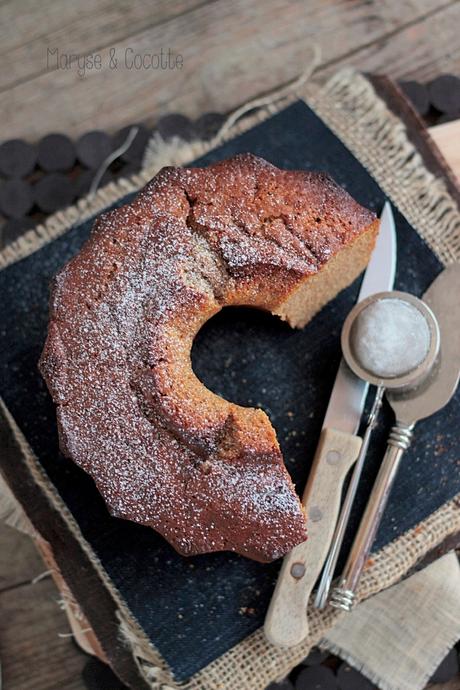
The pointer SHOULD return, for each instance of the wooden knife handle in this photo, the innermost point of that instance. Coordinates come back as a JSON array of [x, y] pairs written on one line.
[[286, 623]]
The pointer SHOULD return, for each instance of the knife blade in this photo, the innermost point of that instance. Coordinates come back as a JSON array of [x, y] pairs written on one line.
[[286, 622], [349, 392]]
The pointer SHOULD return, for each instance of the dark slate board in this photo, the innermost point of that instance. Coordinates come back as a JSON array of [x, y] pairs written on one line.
[[194, 610]]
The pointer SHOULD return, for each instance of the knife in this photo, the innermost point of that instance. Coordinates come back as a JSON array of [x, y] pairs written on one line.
[[286, 622], [409, 408]]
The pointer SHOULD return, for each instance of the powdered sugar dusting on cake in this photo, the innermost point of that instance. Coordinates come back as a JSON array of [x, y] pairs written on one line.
[[162, 450]]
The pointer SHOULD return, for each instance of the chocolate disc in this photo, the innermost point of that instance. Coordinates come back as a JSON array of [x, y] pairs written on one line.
[[175, 125], [93, 148], [281, 685], [53, 192], [317, 677], [417, 94], [447, 669], [315, 657], [208, 125], [56, 152], [17, 158], [448, 117], [85, 180], [16, 198], [444, 92], [351, 679], [137, 149], [129, 169], [14, 228]]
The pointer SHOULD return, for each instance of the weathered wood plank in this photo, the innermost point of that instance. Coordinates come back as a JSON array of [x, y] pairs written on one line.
[[420, 51], [34, 657], [231, 52], [19, 560], [74, 27], [447, 137], [31, 619]]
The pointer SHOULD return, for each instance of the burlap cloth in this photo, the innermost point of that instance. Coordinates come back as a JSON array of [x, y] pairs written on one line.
[[398, 637], [349, 105]]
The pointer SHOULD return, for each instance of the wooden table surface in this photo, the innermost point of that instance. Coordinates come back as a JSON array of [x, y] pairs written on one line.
[[232, 51]]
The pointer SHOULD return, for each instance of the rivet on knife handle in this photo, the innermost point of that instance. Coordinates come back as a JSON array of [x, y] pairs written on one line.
[[286, 623]]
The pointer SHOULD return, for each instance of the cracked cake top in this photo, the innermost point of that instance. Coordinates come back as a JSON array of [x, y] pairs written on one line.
[[162, 449]]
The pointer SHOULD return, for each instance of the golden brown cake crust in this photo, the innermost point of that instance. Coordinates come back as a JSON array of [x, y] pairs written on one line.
[[163, 450]]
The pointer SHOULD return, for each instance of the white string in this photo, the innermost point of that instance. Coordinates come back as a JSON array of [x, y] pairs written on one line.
[[272, 97], [112, 157], [40, 577], [70, 634]]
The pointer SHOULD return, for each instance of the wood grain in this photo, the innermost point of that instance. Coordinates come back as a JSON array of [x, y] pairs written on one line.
[[231, 52], [418, 50], [76, 28], [34, 657], [19, 559], [447, 138], [286, 623]]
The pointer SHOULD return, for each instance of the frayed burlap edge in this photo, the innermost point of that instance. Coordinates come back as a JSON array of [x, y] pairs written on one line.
[[350, 107], [11, 512], [159, 153], [253, 663], [15, 517]]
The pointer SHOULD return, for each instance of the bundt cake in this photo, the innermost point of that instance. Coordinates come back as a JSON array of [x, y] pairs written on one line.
[[162, 449]]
